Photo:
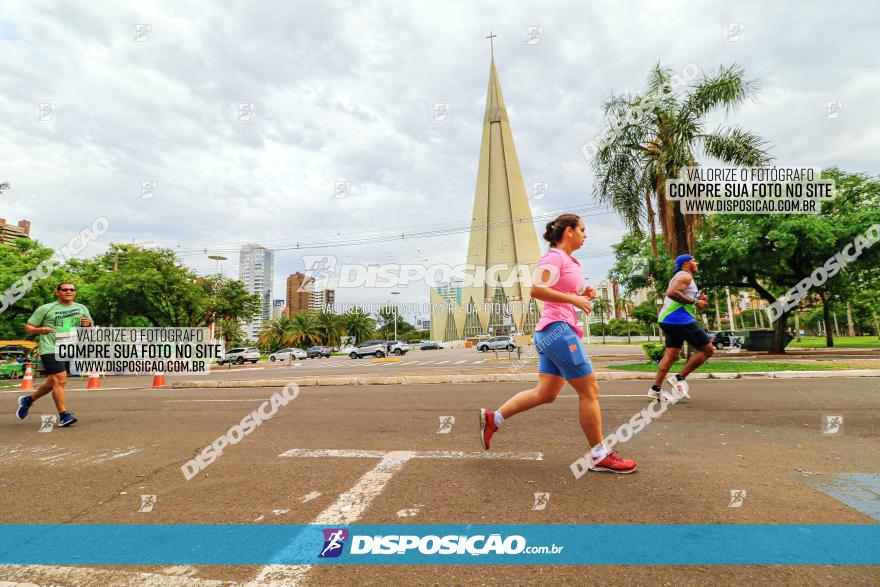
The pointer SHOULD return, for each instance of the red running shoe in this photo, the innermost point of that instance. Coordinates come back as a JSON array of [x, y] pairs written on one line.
[[487, 426], [614, 464]]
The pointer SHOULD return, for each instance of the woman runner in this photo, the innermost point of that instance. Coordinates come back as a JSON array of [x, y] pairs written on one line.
[[558, 342]]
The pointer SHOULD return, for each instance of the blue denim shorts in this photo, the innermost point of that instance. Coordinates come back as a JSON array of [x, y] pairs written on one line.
[[561, 353]]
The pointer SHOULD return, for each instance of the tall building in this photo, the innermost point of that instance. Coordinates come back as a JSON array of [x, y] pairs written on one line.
[[298, 288], [10, 232], [502, 233], [255, 270], [451, 290], [318, 300]]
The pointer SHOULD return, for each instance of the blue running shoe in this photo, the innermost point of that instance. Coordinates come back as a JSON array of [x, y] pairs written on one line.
[[24, 404], [66, 419]]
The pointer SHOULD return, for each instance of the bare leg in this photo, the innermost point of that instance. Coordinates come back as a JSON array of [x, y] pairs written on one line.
[[44, 388], [669, 358], [545, 392], [697, 359], [59, 380], [589, 412]]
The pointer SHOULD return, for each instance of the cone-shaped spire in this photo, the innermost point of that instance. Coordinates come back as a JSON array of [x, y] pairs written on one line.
[[502, 231]]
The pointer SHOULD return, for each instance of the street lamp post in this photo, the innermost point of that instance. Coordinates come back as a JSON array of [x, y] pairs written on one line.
[[219, 259], [395, 293]]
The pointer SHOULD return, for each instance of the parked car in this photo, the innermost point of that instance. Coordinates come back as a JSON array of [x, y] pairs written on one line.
[[240, 355], [724, 338], [496, 342], [370, 347], [319, 351], [430, 345], [288, 353], [397, 347]]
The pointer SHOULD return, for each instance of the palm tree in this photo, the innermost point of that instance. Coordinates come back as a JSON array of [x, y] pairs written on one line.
[[359, 325], [601, 306], [231, 332], [304, 329], [657, 133], [330, 328], [276, 334], [626, 304]]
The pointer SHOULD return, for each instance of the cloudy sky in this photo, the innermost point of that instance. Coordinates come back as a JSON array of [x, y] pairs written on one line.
[[343, 91]]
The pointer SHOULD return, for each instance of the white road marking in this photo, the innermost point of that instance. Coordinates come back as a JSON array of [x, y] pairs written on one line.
[[182, 401], [349, 507], [442, 362], [460, 362]]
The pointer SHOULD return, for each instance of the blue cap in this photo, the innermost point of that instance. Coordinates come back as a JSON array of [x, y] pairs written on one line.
[[681, 260]]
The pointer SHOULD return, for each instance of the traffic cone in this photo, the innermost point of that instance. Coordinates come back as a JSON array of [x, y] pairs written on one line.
[[94, 381], [27, 382], [158, 380]]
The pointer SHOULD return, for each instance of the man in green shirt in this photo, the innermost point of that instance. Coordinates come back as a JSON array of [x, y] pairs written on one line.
[[52, 322]]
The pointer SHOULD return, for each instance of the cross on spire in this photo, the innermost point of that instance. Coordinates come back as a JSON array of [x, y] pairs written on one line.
[[491, 36]]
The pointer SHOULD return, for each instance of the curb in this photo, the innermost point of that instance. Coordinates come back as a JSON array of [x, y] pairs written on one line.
[[506, 377]]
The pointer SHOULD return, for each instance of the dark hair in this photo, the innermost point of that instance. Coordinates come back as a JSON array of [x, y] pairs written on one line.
[[60, 283], [555, 229]]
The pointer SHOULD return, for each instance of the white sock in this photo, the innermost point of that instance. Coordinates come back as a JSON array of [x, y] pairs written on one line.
[[498, 418], [599, 452]]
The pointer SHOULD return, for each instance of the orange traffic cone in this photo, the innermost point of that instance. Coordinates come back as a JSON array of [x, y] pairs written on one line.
[[94, 381], [158, 380], [27, 382]]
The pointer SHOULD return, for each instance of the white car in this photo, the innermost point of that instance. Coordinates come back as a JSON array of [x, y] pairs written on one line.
[[240, 355], [285, 354]]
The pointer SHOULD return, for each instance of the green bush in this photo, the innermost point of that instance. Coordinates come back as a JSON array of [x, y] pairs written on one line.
[[654, 350]]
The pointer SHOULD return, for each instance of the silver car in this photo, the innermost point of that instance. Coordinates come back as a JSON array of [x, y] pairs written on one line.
[[285, 354], [376, 348], [496, 342]]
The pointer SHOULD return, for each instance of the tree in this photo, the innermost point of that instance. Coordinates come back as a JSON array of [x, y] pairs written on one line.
[[772, 253], [231, 333], [646, 313], [388, 315], [653, 135], [228, 299], [304, 329], [19, 300], [601, 306], [330, 327], [276, 334], [359, 325]]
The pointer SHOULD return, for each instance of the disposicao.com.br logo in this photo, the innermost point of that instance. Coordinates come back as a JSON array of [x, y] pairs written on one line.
[[477, 545]]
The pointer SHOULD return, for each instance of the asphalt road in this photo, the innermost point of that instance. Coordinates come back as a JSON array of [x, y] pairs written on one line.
[[763, 437]]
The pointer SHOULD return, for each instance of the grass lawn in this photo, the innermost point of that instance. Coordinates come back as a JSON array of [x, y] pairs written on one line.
[[843, 342], [722, 366]]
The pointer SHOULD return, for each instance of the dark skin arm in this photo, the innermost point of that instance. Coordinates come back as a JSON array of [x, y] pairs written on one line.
[[676, 290]]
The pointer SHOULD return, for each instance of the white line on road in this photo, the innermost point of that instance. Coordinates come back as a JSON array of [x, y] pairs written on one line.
[[349, 507]]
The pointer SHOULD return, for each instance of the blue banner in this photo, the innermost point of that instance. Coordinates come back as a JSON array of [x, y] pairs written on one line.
[[599, 544]]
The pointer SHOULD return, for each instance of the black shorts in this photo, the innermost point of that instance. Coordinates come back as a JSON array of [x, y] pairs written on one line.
[[53, 366], [676, 334]]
